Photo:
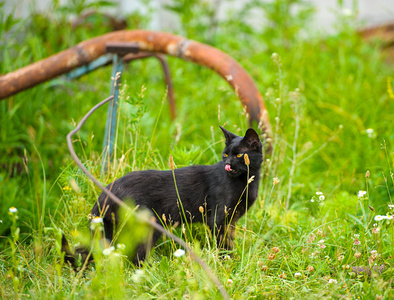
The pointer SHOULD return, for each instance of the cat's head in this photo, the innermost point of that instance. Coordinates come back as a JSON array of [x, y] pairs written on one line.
[[237, 147]]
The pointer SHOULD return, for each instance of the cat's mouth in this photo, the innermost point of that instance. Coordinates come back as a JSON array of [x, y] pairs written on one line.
[[229, 169]]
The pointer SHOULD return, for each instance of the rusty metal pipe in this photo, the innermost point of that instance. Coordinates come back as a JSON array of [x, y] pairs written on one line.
[[152, 41]]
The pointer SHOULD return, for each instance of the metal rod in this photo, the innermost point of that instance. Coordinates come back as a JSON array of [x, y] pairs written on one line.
[[110, 126], [100, 62], [156, 226]]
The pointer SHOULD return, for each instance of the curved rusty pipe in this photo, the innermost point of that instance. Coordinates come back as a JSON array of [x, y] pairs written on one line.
[[152, 41]]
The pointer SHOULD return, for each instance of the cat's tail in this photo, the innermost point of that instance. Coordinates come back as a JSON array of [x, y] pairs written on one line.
[[78, 257]]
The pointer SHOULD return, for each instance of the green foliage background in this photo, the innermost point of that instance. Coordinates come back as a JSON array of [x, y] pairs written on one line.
[[322, 93]]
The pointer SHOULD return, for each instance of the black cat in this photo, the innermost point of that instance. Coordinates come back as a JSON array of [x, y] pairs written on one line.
[[218, 192]]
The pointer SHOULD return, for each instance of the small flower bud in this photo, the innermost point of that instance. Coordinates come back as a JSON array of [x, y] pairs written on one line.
[[310, 268], [357, 255], [283, 276], [275, 250], [275, 181], [201, 209], [367, 174], [246, 158], [271, 256], [164, 218], [172, 165]]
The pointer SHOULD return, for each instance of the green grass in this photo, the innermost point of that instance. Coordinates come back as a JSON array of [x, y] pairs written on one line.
[[322, 94]]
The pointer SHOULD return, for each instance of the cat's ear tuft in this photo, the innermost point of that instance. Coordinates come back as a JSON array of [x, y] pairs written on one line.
[[228, 135], [252, 139]]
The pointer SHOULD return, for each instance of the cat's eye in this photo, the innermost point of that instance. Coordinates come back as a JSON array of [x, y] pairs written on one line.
[[240, 155], [225, 155]]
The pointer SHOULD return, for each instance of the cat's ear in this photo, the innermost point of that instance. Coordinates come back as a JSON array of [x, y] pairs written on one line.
[[251, 139], [228, 135]]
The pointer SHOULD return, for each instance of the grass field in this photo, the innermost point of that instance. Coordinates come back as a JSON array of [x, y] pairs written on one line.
[[325, 202]]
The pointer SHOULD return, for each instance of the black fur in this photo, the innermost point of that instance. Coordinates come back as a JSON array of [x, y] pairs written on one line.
[[220, 192]]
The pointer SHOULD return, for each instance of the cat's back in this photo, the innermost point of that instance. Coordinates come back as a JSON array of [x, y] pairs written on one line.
[[156, 183]]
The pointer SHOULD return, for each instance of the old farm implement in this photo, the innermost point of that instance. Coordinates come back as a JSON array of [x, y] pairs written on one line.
[[120, 47]]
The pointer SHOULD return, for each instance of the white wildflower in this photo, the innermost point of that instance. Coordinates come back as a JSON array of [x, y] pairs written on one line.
[[121, 246], [97, 220], [378, 218], [179, 253], [391, 206], [108, 251], [371, 133], [322, 197], [334, 281], [319, 193], [361, 194], [13, 210], [297, 274], [138, 276]]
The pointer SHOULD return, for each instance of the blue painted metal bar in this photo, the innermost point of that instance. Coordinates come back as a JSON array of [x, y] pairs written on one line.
[[101, 61], [110, 127]]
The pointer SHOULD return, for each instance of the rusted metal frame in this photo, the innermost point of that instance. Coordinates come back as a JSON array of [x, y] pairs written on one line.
[[108, 58], [118, 54], [140, 217], [152, 41]]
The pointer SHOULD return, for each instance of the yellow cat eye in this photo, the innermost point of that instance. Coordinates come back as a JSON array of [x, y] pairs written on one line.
[[225, 155], [239, 155]]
